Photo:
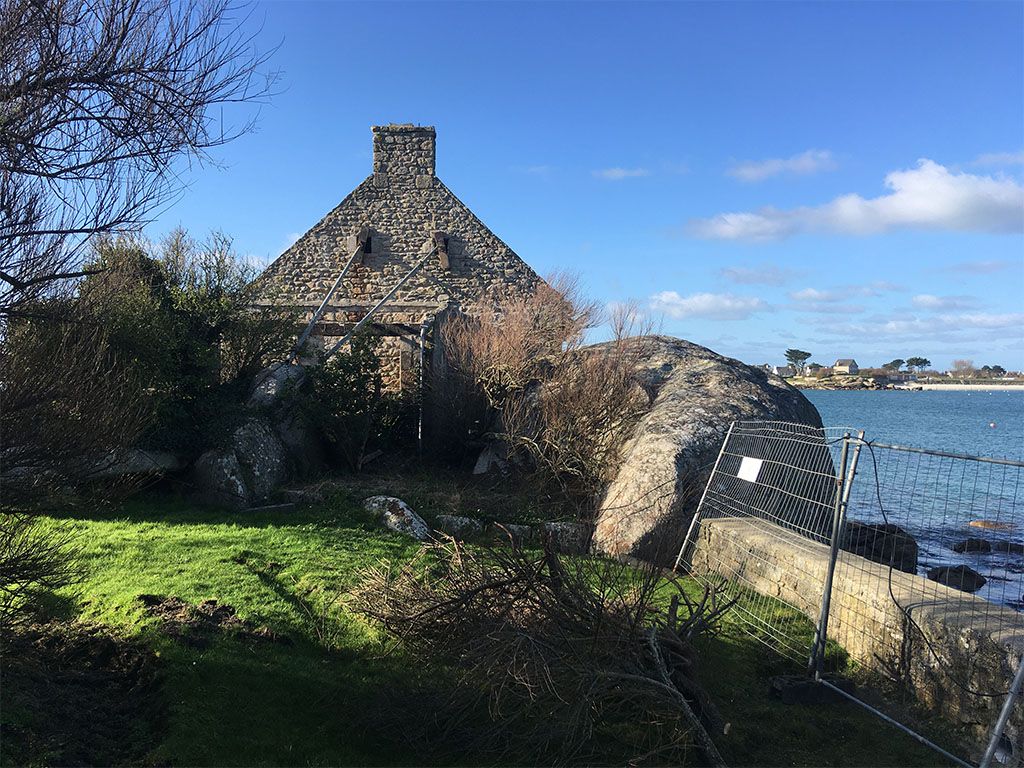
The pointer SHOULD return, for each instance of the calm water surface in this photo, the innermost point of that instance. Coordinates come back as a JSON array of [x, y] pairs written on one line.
[[936, 498], [944, 421]]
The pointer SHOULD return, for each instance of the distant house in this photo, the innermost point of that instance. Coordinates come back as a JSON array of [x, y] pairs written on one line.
[[785, 371], [846, 366]]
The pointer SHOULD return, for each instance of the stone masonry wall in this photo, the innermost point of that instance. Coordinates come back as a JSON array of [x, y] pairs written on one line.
[[974, 644], [403, 203]]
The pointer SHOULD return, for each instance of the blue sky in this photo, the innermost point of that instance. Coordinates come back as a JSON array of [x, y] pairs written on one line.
[[847, 178]]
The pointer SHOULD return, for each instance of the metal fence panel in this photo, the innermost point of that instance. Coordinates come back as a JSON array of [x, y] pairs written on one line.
[[912, 560]]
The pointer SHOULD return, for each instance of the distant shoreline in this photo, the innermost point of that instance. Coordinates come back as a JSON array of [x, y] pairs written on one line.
[[969, 387], [930, 387]]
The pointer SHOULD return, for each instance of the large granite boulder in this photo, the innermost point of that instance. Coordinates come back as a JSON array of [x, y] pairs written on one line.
[[246, 471], [695, 395]]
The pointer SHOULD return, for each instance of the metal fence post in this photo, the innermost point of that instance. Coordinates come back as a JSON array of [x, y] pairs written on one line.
[[1004, 716], [817, 658], [696, 512]]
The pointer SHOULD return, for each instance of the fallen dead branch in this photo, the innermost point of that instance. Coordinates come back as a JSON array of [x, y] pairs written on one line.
[[558, 660]]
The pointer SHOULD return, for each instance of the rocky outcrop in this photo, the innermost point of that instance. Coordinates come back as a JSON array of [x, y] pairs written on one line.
[[695, 395], [397, 516], [567, 538]]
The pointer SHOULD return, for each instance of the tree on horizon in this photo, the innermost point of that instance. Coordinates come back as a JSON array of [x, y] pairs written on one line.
[[797, 358]]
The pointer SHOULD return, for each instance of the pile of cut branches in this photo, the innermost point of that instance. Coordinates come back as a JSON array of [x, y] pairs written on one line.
[[552, 659]]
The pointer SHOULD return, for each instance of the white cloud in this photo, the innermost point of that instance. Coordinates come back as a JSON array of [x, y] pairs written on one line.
[[1000, 158], [764, 275], [843, 293], [983, 267], [929, 301], [534, 170], [927, 197], [963, 326], [718, 306], [804, 164], [618, 174]]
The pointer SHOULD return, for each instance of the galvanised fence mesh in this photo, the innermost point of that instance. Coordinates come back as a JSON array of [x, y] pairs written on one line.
[[911, 560]]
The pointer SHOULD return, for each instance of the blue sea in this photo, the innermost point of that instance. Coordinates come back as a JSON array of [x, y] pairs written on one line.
[[960, 422], [942, 501]]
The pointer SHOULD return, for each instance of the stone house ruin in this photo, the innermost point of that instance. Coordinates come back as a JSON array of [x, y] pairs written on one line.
[[397, 254]]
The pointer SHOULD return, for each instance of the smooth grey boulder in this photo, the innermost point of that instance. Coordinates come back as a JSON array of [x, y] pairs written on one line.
[[695, 395], [261, 455], [272, 383], [459, 527], [568, 538], [398, 516], [511, 534]]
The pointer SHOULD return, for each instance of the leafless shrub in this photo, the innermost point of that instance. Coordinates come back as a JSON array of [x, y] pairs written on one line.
[[566, 408], [572, 660], [66, 406]]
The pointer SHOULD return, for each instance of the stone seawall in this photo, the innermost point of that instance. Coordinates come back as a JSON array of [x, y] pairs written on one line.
[[975, 645]]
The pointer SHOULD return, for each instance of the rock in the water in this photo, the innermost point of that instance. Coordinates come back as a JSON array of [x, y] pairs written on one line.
[[958, 577], [568, 538], [1008, 547], [218, 479], [885, 544], [396, 515], [991, 525], [459, 527], [973, 544], [695, 394]]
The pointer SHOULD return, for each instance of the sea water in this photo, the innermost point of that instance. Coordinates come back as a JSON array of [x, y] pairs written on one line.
[[936, 499], [981, 423]]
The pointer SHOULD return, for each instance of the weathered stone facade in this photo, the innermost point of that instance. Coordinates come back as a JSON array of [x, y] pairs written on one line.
[[401, 205]]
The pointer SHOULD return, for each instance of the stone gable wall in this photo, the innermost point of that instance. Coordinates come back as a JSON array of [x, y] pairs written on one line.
[[403, 203]]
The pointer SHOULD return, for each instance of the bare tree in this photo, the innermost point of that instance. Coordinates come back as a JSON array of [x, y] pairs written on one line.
[[98, 102]]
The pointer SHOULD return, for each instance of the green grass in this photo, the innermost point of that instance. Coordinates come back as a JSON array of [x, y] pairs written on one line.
[[310, 702]]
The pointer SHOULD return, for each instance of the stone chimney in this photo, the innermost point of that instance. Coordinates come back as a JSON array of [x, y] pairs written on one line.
[[403, 155]]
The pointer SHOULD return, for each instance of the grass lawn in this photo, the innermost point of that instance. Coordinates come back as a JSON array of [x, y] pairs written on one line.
[[310, 701]]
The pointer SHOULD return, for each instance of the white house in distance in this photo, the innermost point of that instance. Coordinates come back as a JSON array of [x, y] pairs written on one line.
[[846, 365], [785, 371]]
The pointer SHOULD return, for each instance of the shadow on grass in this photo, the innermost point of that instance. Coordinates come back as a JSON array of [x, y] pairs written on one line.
[[239, 703], [339, 511]]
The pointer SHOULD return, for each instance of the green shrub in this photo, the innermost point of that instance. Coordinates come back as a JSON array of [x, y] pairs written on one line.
[[189, 321], [346, 399]]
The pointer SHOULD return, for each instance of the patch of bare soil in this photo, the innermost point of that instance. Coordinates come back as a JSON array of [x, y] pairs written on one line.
[[196, 626], [75, 695]]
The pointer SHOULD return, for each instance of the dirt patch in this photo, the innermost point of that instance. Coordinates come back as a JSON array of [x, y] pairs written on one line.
[[197, 625], [74, 694]]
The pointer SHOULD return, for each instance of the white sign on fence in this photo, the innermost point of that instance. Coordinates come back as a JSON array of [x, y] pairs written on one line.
[[750, 468]]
